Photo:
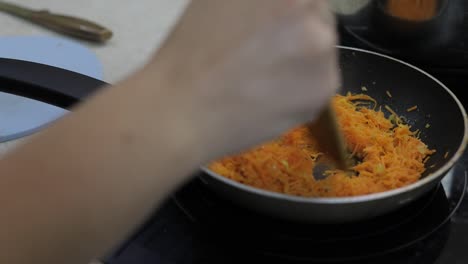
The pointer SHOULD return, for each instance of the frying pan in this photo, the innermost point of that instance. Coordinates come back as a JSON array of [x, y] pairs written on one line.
[[409, 86], [437, 106]]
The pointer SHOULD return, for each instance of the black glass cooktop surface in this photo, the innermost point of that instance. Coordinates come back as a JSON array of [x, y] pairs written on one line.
[[197, 226]]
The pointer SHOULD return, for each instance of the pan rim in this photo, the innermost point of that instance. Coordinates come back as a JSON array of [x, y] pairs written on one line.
[[367, 197]]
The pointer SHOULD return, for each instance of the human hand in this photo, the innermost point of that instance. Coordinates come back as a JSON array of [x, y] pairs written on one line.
[[249, 70]]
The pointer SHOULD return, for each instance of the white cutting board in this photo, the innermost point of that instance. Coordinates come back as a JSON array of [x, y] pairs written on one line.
[[21, 116]]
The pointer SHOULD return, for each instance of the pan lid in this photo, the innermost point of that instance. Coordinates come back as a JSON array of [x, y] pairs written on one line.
[[21, 116], [42, 83]]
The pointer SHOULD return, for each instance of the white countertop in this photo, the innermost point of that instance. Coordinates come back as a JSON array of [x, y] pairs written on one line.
[[138, 26]]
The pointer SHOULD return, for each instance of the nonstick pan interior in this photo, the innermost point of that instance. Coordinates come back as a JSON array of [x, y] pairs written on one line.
[[438, 115]]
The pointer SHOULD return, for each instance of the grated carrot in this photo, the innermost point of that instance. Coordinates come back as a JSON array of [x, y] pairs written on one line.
[[393, 114], [412, 108], [390, 154]]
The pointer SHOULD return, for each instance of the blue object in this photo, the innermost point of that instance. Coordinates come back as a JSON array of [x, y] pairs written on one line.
[[21, 116]]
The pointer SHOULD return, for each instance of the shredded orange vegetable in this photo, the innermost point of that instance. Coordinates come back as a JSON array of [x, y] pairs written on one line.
[[412, 108], [390, 154]]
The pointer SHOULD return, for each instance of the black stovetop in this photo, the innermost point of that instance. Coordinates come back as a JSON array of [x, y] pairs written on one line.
[[196, 226]]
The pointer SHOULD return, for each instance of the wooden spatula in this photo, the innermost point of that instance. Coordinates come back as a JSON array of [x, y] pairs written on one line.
[[330, 139]]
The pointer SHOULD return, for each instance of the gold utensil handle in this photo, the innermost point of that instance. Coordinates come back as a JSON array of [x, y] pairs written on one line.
[[73, 26]]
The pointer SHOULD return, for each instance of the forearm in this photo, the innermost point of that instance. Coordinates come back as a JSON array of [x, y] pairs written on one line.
[[86, 181]]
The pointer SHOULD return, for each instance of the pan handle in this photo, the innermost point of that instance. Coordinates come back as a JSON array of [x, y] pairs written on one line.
[[44, 83]]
